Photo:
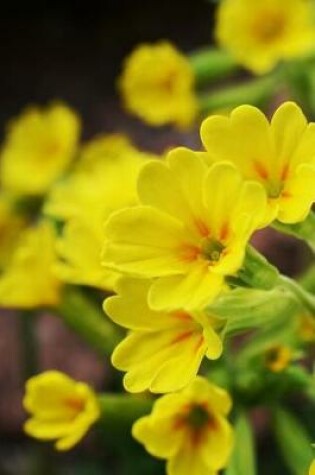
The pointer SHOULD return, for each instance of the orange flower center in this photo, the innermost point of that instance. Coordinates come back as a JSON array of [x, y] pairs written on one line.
[[268, 26], [212, 249]]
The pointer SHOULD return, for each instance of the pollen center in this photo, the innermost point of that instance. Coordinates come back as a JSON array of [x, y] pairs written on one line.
[[212, 249]]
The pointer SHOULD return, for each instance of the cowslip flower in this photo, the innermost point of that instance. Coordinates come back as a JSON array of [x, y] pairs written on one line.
[[157, 85], [103, 181], [280, 155], [60, 408], [189, 232], [11, 225], [259, 34], [38, 147], [189, 429], [28, 280], [163, 351], [278, 357], [312, 468]]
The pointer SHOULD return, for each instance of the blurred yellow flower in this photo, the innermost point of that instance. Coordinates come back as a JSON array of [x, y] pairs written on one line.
[[189, 429], [39, 146], [189, 232], [306, 330], [61, 409], [280, 155], [261, 33], [312, 468], [11, 225], [157, 85], [278, 358], [28, 280], [163, 351], [103, 181]]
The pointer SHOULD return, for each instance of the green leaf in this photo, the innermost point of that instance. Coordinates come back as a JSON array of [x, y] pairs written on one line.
[[243, 460], [293, 441]]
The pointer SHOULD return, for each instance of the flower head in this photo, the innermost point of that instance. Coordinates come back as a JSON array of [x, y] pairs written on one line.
[[312, 468], [157, 85], [261, 33], [39, 146], [278, 357], [103, 181], [61, 409], [28, 280], [190, 231], [164, 350], [280, 155], [189, 429]]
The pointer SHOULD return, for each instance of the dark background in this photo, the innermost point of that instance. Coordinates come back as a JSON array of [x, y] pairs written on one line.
[[73, 50]]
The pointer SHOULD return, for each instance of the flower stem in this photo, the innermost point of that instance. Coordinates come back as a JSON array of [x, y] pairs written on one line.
[[28, 342], [304, 230], [255, 92], [303, 296], [210, 64], [86, 319], [123, 409]]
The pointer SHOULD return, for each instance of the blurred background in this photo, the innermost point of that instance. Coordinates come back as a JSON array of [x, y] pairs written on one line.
[[73, 51]]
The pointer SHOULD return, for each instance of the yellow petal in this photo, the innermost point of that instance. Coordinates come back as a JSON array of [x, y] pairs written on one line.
[[299, 195], [144, 241], [194, 290], [287, 127], [244, 139], [160, 440]]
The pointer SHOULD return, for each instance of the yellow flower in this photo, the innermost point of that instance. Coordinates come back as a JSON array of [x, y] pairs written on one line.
[[163, 351], [28, 280], [278, 357], [11, 224], [189, 429], [306, 330], [103, 181], [261, 33], [39, 146], [280, 155], [312, 468], [61, 409], [157, 85], [190, 231]]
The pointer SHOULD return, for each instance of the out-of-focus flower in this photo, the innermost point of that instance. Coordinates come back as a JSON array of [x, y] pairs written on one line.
[[61, 409], [157, 85], [189, 232], [28, 280], [11, 224], [189, 429], [306, 329], [103, 181], [280, 155], [163, 351], [38, 148], [312, 468], [259, 34], [278, 358]]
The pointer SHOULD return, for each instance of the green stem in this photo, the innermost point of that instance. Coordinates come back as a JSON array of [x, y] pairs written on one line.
[[88, 321], [307, 280], [210, 64], [122, 409], [255, 92], [302, 295], [29, 343]]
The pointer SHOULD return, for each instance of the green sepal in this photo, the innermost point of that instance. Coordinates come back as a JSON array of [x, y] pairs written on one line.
[[243, 460], [304, 230], [245, 309], [293, 441], [257, 272]]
